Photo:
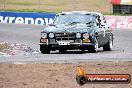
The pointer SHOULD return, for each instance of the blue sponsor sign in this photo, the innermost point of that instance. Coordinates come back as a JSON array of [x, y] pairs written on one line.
[[26, 18]]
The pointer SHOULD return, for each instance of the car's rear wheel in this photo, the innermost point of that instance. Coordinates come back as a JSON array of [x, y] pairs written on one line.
[[109, 45], [44, 49], [94, 48]]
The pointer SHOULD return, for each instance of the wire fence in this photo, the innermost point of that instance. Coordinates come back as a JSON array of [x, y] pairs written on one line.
[[56, 5], [123, 9]]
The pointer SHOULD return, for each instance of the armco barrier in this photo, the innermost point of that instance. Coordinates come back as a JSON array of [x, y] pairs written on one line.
[[116, 22]]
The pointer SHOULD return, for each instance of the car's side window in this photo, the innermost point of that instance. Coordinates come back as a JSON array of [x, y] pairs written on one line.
[[103, 21], [98, 20]]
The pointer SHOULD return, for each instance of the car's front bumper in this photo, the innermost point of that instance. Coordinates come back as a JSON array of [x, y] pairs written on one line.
[[67, 44], [70, 46], [80, 44]]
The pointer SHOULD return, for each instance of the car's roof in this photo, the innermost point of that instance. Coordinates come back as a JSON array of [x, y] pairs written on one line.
[[80, 12]]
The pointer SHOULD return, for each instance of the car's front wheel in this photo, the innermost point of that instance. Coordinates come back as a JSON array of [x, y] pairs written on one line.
[[109, 45], [94, 48], [44, 49], [62, 50]]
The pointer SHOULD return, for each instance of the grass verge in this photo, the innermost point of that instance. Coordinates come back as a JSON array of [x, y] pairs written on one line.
[[46, 11]]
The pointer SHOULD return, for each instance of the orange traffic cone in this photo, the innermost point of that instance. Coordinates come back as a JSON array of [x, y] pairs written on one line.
[[80, 71]]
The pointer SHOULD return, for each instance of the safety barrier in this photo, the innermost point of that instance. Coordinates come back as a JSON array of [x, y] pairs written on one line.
[[26, 18], [120, 22], [116, 22]]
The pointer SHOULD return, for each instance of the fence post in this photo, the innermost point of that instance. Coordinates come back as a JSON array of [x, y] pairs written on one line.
[[4, 2], [73, 5], [39, 5], [111, 8]]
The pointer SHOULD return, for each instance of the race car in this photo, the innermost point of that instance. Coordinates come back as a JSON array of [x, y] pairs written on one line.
[[80, 30]]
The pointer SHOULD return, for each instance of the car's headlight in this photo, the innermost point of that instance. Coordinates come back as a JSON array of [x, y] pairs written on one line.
[[51, 35], [85, 35], [78, 35], [44, 35]]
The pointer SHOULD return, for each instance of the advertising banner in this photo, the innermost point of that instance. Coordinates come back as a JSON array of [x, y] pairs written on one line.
[[26, 18], [116, 22], [119, 22]]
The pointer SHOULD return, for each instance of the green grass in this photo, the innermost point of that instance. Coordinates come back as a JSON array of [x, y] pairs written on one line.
[[44, 11], [25, 10], [118, 14], [30, 3], [50, 4], [21, 3], [56, 6]]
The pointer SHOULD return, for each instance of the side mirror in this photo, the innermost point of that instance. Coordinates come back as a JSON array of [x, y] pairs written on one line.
[[51, 24], [103, 24], [98, 24]]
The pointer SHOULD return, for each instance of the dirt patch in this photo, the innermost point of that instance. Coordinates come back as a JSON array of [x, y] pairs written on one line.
[[59, 75], [14, 49]]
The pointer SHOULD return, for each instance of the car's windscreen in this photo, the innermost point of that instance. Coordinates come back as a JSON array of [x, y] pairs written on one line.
[[74, 19]]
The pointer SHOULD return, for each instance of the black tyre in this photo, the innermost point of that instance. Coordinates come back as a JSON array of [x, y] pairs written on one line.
[[62, 50], [109, 45], [44, 49], [81, 80], [94, 48]]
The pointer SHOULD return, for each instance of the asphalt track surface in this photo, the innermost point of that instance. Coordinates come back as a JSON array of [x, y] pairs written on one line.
[[29, 35]]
